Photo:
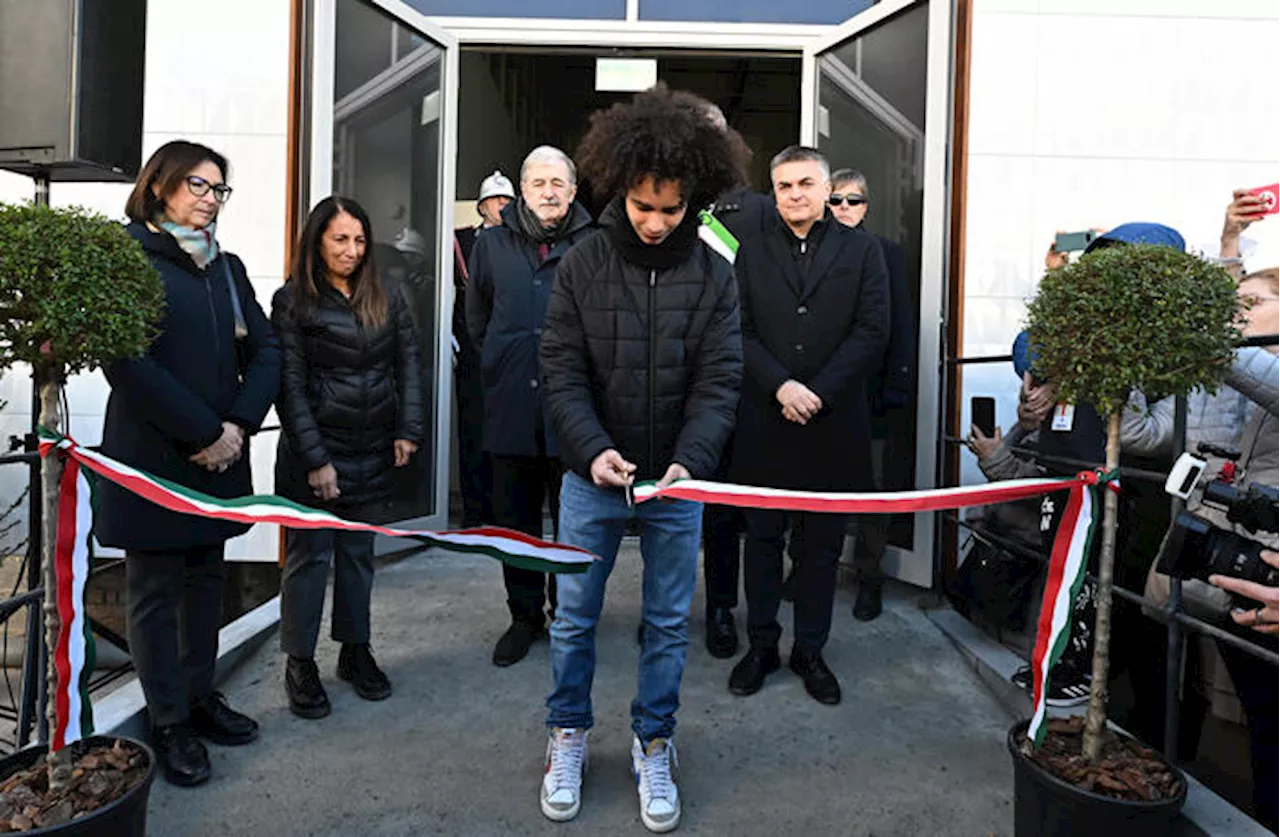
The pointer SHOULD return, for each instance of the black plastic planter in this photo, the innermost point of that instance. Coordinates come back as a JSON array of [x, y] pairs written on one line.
[[125, 817], [1046, 806]]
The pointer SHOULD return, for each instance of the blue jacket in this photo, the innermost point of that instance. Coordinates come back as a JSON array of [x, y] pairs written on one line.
[[170, 403], [506, 305]]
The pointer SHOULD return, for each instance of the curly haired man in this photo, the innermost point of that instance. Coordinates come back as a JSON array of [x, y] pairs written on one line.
[[642, 358]]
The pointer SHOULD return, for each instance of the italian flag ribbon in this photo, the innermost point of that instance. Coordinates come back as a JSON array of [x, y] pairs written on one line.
[[1066, 563], [74, 654]]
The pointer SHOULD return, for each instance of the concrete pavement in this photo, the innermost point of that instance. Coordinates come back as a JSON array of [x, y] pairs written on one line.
[[916, 748]]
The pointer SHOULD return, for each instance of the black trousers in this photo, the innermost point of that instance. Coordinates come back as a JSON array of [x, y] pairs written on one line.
[[307, 556], [818, 540], [722, 528], [475, 477], [520, 486], [174, 607], [1257, 688]]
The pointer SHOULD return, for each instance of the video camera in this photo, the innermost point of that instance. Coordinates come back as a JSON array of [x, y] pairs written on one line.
[[1197, 548]]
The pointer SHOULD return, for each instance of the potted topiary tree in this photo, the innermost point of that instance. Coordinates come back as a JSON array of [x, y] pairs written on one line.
[[1162, 322], [76, 292]]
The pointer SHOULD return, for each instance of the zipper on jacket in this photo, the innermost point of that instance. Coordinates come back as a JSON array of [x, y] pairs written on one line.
[[653, 360], [213, 316]]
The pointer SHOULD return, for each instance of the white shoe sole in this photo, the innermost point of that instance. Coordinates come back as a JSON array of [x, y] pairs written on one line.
[[558, 815], [660, 827]]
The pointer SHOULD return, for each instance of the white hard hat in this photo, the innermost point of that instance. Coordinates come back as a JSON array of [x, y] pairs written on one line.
[[496, 185]]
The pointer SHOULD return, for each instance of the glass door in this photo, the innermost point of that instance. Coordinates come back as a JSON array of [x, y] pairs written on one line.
[[384, 100], [875, 97]]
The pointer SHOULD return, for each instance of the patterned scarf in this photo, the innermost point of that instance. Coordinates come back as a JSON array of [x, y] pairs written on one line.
[[200, 244]]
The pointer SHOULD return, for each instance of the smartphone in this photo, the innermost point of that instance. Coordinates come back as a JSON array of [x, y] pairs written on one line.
[[982, 410], [1073, 242], [1270, 198]]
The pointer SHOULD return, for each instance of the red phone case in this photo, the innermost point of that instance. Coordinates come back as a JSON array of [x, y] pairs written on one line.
[[1270, 198]]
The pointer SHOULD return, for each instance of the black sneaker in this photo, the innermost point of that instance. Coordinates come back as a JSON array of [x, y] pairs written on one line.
[[183, 760], [211, 718], [307, 697], [357, 666], [1067, 685]]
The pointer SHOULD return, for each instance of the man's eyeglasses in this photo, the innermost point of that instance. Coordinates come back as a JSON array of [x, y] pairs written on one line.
[[200, 187], [852, 200]]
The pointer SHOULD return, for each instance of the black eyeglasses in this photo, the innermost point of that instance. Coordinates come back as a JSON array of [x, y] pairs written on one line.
[[200, 187], [852, 200]]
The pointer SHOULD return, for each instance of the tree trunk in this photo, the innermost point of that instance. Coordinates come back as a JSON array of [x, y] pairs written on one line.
[[1096, 717], [51, 482]]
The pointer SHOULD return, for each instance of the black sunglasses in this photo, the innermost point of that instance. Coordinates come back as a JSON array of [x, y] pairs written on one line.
[[200, 187], [852, 200]]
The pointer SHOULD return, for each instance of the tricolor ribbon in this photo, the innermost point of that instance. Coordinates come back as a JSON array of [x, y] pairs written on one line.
[[717, 236], [1066, 563], [74, 653]]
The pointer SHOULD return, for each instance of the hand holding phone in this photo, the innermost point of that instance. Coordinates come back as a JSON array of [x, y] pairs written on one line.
[[982, 409], [1073, 242], [1269, 196]]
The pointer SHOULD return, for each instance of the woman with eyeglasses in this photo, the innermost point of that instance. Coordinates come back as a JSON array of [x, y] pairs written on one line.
[[183, 411], [352, 411]]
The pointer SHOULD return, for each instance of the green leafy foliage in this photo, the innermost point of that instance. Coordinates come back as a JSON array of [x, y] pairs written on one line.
[[1134, 317], [76, 291]]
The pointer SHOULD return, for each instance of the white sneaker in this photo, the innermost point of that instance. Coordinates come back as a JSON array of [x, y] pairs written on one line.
[[562, 782], [655, 771]]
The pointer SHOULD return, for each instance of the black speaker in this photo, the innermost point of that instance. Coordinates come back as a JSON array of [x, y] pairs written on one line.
[[71, 81]]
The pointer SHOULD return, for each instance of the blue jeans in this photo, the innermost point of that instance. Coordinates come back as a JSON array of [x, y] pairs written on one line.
[[595, 519]]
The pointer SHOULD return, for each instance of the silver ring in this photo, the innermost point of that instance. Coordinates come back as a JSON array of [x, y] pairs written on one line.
[[1257, 616]]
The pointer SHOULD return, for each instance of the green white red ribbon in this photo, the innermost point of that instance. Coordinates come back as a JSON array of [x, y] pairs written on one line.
[[74, 654], [75, 651], [1066, 563]]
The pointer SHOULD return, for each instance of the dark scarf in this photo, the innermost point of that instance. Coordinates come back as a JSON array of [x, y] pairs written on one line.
[[532, 228], [674, 250]]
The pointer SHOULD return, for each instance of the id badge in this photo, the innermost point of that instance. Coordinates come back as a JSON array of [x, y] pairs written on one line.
[[1064, 418]]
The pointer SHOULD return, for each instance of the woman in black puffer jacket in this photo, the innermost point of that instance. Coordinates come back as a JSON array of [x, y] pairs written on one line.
[[351, 408]]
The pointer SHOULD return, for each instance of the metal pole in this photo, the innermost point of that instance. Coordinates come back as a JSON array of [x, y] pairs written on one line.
[[33, 661], [1173, 654]]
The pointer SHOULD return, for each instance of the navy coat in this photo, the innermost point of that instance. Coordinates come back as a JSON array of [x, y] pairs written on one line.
[[170, 403], [506, 305], [827, 329]]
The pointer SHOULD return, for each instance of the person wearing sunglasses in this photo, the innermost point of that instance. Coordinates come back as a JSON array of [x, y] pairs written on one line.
[[889, 392], [184, 411]]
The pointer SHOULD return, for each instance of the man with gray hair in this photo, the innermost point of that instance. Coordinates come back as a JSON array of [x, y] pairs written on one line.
[[513, 267], [815, 323]]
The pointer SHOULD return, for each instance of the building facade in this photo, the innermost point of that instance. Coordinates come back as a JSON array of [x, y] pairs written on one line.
[[983, 126]]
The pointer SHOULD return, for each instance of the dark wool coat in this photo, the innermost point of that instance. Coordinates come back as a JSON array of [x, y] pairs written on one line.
[[170, 403], [825, 325], [642, 359], [506, 304], [347, 394]]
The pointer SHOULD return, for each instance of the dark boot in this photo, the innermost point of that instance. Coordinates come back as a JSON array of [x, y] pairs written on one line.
[[748, 675], [357, 666], [819, 681], [183, 759], [211, 718], [868, 604], [515, 643], [722, 633], [307, 697]]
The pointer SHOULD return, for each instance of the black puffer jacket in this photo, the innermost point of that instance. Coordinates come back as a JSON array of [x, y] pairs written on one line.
[[642, 350], [346, 395]]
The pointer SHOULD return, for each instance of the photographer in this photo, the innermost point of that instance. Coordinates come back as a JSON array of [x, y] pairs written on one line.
[[1264, 618]]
